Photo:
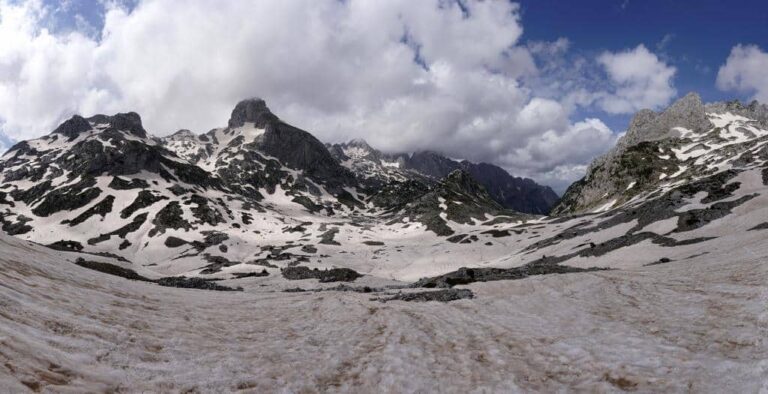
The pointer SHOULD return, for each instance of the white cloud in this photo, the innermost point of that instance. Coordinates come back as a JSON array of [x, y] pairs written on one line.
[[745, 71], [559, 156], [641, 80], [341, 69]]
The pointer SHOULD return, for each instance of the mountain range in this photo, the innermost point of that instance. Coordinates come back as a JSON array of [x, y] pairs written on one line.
[[658, 250]]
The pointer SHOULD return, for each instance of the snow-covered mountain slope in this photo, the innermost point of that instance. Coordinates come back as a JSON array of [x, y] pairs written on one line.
[[663, 289], [103, 186], [691, 325], [687, 142], [223, 202]]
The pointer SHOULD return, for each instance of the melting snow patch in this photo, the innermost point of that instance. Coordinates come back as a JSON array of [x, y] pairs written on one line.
[[605, 207]]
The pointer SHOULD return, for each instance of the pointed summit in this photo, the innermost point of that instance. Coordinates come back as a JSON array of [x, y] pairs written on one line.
[[73, 126], [251, 110], [647, 125]]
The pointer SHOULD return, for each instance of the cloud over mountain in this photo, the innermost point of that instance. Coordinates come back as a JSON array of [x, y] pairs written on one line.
[[745, 71], [444, 75]]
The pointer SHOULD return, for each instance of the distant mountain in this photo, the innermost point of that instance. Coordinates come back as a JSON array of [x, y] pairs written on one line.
[[519, 194], [104, 185], [259, 194]]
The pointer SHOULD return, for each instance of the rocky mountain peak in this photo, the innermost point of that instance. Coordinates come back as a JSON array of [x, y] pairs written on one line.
[[688, 112], [359, 143], [128, 121], [73, 126], [251, 110], [461, 180], [754, 110], [182, 134]]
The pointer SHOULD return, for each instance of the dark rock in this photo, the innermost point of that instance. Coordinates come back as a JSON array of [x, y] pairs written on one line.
[[72, 127], [217, 263], [241, 275], [193, 283], [130, 121], [761, 226], [252, 110], [173, 242], [204, 212], [102, 208], [330, 275], [111, 269], [67, 246], [456, 238], [15, 228], [170, 217], [443, 295], [68, 198], [134, 225], [144, 199], [309, 249], [662, 260], [470, 275], [497, 233], [326, 238], [121, 184]]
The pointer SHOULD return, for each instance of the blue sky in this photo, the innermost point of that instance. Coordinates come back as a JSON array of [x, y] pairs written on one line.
[[694, 36], [539, 87]]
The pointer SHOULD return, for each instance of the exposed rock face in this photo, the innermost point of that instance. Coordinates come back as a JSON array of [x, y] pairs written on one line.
[[753, 110], [130, 121], [293, 147], [72, 127], [252, 110], [519, 194], [431, 163], [460, 198], [688, 112], [607, 175], [377, 169], [682, 142], [300, 150]]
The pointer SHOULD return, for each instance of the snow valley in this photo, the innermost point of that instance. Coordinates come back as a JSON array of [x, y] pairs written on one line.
[[344, 268]]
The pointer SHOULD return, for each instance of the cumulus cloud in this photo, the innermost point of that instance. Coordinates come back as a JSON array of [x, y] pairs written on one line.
[[745, 71], [441, 75], [641, 80], [560, 155]]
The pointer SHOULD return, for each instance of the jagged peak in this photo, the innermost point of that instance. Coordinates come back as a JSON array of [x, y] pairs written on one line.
[[183, 133], [688, 112], [127, 121], [462, 180], [73, 126], [253, 110], [692, 99], [359, 143], [754, 110]]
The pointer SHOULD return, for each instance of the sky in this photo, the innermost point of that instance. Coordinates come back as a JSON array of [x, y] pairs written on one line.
[[538, 87]]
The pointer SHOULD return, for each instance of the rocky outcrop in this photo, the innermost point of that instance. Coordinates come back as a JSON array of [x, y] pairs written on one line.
[[635, 158], [72, 127], [519, 194], [460, 198], [253, 110], [380, 170]]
